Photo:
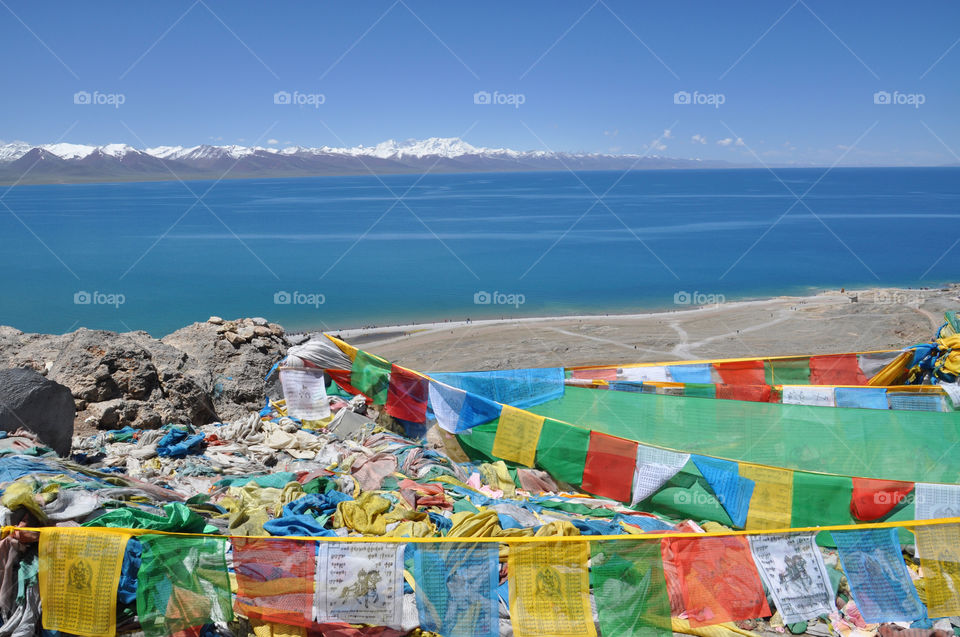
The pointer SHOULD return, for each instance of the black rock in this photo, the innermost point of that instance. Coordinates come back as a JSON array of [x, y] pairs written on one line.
[[39, 404]]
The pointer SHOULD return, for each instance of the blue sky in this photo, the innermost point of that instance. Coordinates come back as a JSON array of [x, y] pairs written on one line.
[[797, 80]]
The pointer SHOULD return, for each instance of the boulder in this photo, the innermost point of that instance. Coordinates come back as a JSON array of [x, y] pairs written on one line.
[[39, 404]]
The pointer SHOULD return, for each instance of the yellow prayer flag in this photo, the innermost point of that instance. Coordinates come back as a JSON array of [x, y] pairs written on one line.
[[517, 435], [772, 500], [940, 567], [79, 576], [349, 350], [550, 590]]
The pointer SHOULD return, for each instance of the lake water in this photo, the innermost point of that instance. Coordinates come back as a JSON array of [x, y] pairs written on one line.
[[336, 252]]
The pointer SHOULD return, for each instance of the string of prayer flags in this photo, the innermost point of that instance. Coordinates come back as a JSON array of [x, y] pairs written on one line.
[[517, 435], [939, 550], [79, 574], [359, 583], [654, 468], [933, 501], [457, 589], [874, 499], [609, 467], [305, 392], [407, 395], [275, 579], [718, 579], [457, 411], [550, 590], [371, 375], [792, 567], [630, 588], [772, 501], [878, 576], [182, 583], [732, 491]]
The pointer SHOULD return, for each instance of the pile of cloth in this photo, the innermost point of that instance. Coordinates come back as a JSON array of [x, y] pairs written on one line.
[[274, 476]]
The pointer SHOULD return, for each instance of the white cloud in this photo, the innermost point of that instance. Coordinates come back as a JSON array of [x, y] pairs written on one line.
[[272, 142], [667, 133], [739, 142], [699, 139], [726, 141]]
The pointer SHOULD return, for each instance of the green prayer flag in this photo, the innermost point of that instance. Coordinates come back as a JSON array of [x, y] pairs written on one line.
[[700, 390], [562, 451], [371, 376], [795, 371], [630, 588], [182, 583], [821, 500]]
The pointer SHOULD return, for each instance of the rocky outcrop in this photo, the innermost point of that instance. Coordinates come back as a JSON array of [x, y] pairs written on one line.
[[29, 400], [205, 372]]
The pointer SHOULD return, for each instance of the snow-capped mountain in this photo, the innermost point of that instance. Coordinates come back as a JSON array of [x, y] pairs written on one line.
[[65, 162]]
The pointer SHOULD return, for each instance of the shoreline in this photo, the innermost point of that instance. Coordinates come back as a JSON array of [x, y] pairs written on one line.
[[402, 329], [826, 322]]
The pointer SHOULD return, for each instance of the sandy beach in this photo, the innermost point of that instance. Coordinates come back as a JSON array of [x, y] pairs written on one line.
[[834, 321]]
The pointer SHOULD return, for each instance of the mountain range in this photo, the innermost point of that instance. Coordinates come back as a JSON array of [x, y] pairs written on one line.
[[24, 163]]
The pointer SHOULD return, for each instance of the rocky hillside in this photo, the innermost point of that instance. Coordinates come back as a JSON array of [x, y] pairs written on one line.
[[202, 373]]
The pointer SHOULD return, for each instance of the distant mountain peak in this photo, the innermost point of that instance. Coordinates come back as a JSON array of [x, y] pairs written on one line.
[[110, 162]]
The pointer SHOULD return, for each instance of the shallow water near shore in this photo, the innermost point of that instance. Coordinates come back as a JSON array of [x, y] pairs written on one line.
[[337, 252]]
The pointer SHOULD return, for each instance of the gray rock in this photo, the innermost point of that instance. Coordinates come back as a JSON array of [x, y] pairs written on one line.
[[259, 321], [39, 404], [192, 376], [215, 320]]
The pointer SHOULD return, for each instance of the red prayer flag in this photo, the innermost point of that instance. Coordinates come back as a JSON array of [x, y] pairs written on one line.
[[873, 499], [754, 393], [342, 378], [609, 373], [407, 395], [836, 370], [275, 579], [609, 467], [741, 372], [718, 579]]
